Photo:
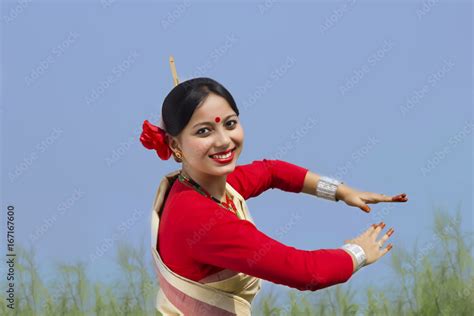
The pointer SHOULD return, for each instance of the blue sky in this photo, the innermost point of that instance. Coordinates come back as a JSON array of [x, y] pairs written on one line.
[[377, 95]]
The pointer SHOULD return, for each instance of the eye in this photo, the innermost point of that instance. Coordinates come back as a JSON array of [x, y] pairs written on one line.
[[201, 129], [232, 125], [227, 124]]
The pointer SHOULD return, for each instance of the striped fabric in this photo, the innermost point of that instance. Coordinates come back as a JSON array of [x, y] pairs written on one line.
[[226, 292]]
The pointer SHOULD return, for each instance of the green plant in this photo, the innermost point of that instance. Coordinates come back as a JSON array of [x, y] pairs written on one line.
[[434, 279]]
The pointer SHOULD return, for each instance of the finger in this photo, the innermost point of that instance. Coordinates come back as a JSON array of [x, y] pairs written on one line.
[[383, 198], [372, 198], [369, 230], [360, 202], [377, 229], [387, 249], [400, 198], [385, 237]]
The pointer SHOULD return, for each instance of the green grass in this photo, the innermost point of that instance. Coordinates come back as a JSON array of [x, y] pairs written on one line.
[[72, 293], [435, 278]]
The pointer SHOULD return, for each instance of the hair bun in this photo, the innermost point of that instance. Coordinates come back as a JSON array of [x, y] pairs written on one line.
[[154, 137]]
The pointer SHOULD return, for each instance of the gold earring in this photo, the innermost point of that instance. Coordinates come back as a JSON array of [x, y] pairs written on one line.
[[178, 155]]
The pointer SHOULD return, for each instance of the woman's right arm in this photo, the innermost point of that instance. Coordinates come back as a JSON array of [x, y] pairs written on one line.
[[252, 179], [215, 236]]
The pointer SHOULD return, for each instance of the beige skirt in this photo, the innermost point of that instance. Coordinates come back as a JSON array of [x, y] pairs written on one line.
[[226, 292]]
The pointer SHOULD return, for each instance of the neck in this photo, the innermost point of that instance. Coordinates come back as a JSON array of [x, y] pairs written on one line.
[[215, 185]]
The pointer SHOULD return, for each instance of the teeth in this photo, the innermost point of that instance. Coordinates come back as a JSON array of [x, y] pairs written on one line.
[[222, 156]]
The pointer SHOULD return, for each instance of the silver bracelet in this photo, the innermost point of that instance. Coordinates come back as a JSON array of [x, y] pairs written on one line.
[[358, 253], [327, 187]]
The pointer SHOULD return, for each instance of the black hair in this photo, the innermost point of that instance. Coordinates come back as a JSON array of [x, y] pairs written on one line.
[[180, 103]]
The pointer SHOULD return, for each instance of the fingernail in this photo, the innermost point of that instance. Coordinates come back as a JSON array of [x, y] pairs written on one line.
[[383, 225], [389, 246], [390, 232]]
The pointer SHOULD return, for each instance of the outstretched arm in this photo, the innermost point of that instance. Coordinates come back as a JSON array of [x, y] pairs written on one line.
[[252, 179], [350, 195], [217, 237]]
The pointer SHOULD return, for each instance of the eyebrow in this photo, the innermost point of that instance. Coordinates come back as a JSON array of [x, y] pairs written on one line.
[[209, 123]]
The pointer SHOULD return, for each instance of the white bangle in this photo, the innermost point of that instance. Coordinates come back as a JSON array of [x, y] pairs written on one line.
[[327, 187], [358, 253]]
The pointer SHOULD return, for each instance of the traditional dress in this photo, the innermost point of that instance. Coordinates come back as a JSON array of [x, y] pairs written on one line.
[[210, 262]]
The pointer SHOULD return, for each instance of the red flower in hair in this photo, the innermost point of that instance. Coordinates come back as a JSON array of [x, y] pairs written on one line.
[[154, 137]]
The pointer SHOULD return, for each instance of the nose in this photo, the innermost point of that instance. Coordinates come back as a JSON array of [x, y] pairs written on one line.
[[223, 139]]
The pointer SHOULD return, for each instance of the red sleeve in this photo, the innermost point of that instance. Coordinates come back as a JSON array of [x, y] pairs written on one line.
[[215, 236], [252, 179]]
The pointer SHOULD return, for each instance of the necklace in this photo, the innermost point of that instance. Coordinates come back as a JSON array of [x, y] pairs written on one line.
[[228, 204]]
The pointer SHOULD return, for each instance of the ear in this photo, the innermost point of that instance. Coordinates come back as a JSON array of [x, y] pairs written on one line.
[[173, 142]]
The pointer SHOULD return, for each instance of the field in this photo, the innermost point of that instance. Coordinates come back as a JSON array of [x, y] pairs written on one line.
[[436, 279]]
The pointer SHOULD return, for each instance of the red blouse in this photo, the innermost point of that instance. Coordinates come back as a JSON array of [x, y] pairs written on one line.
[[198, 237]]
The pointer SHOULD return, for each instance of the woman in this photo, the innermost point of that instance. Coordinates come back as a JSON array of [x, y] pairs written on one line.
[[209, 256]]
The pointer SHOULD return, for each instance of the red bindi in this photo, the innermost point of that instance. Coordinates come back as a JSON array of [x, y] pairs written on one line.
[[217, 119]]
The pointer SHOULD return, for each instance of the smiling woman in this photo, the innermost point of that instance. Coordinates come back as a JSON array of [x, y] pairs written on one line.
[[208, 254]]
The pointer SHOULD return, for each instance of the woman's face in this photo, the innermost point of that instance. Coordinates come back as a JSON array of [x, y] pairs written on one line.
[[213, 128]]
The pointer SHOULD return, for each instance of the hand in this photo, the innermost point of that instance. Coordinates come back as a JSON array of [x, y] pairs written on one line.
[[372, 247], [359, 199]]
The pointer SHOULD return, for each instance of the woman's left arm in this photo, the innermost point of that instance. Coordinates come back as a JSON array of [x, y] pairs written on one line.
[[350, 195]]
